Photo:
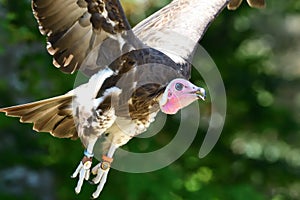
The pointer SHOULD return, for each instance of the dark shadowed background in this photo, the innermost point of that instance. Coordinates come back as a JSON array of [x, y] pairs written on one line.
[[257, 156]]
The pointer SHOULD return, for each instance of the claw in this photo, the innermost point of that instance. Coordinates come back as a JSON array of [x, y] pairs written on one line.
[[97, 179], [74, 175], [101, 184], [83, 170], [91, 182], [95, 169], [92, 197], [101, 170]]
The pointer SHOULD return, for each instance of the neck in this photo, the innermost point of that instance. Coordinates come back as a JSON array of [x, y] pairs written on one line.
[[171, 107]]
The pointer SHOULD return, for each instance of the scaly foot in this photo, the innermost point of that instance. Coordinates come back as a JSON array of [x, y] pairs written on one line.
[[101, 171], [83, 170]]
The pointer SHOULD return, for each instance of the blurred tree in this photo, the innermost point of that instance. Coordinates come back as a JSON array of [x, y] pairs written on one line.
[[257, 157]]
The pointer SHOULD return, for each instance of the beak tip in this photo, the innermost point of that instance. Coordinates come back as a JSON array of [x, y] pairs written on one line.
[[203, 98], [201, 93]]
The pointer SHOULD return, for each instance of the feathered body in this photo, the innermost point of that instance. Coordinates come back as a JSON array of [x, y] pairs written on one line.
[[134, 73]]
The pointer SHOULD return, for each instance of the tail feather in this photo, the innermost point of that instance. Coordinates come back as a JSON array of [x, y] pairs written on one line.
[[66, 127], [52, 115], [35, 115]]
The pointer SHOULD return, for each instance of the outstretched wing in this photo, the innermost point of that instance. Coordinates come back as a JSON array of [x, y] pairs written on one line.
[[177, 28], [75, 27]]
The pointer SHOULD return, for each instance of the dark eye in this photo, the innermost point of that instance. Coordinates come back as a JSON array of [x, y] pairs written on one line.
[[179, 86]]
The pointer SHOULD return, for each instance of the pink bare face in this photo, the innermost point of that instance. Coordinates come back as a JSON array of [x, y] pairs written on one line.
[[179, 94]]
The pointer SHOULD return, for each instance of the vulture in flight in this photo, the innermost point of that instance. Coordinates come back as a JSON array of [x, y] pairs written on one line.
[[133, 73]]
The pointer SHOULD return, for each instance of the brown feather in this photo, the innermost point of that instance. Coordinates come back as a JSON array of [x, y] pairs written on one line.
[[52, 115], [257, 3], [71, 38], [234, 4], [44, 124]]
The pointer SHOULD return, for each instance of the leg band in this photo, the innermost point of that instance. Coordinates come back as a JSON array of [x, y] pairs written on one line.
[[106, 162], [88, 154]]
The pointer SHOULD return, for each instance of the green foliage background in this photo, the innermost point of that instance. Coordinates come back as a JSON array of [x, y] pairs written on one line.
[[257, 156]]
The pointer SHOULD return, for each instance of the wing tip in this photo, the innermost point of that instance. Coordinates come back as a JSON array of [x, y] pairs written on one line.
[[234, 4]]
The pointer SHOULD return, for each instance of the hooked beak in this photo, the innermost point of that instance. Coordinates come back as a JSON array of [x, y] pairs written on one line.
[[200, 92]]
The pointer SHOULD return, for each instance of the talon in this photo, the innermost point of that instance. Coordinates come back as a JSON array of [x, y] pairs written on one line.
[[83, 172], [95, 169], [77, 190], [91, 182]]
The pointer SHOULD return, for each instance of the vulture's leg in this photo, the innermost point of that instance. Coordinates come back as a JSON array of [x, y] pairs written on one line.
[[85, 164], [102, 170]]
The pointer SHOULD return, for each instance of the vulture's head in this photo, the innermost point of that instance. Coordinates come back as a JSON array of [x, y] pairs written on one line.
[[178, 94]]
